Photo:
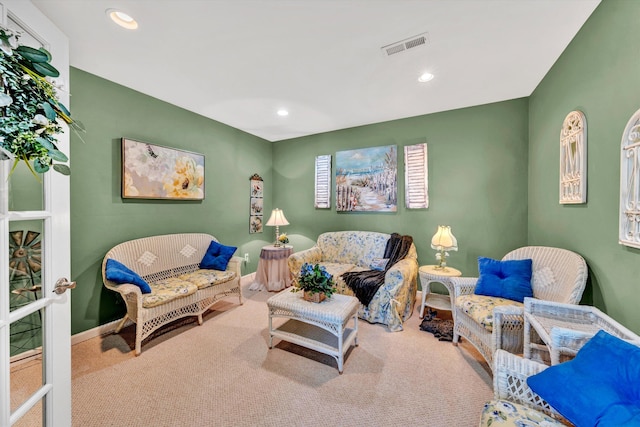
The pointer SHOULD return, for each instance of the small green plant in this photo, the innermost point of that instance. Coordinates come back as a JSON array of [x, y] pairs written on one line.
[[31, 113], [283, 238], [315, 279]]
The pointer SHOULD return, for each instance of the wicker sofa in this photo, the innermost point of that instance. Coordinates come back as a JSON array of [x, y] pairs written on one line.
[[179, 288], [344, 251]]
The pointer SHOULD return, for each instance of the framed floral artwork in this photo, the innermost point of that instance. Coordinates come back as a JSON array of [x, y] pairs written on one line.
[[154, 172]]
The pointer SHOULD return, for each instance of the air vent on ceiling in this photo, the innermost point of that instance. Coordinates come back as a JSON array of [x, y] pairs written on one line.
[[403, 45]]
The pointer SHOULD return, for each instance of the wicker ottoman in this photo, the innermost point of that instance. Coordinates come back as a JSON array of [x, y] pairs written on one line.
[[319, 326]]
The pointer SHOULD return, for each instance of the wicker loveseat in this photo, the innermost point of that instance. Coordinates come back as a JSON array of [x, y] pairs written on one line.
[[179, 288], [344, 251]]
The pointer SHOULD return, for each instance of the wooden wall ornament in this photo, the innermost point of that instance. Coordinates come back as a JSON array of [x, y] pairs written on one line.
[[256, 198], [573, 159], [629, 220], [416, 176], [323, 182]]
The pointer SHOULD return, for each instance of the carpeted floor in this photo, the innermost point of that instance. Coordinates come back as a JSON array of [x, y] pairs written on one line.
[[223, 374]]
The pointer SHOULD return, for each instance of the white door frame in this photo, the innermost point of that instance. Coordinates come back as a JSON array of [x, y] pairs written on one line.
[[56, 345]]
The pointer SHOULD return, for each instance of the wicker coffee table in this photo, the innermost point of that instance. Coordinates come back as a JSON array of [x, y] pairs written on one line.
[[319, 326]]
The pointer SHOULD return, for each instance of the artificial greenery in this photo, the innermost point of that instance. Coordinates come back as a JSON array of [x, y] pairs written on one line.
[[30, 107], [283, 238], [315, 279]]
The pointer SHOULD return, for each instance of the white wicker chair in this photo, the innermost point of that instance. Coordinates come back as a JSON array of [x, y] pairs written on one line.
[[510, 375], [558, 275]]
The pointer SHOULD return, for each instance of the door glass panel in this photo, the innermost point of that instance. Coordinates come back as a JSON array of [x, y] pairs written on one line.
[[26, 375], [25, 190], [25, 263], [33, 418]]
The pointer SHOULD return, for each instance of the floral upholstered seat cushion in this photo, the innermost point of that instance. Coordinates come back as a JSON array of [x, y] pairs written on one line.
[[354, 247], [204, 278], [480, 307], [503, 413], [167, 290]]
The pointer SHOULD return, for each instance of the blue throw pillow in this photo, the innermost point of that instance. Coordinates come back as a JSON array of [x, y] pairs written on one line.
[[120, 273], [600, 386], [217, 256], [505, 279]]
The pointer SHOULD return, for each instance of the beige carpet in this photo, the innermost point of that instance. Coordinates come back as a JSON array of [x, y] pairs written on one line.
[[223, 374]]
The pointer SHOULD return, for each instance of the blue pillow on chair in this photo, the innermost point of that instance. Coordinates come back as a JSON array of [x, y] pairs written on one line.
[[600, 386], [120, 273], [217, 256], [505, 279]]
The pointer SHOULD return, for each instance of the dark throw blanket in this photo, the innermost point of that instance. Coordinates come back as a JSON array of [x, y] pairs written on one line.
[[365, 284]]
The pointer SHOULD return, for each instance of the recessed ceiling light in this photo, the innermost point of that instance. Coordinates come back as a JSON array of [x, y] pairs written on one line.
[[122, 19], [282, 112], [425, 77]]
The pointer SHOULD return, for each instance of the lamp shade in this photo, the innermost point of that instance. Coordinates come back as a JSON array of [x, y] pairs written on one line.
[[444, 239], [277, 218]]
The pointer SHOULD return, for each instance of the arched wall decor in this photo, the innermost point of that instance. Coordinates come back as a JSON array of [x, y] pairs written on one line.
[[573, 159], [629, 230]]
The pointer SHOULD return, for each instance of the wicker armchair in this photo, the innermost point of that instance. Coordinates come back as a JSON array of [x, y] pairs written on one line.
[[513, 399], [559, 275]]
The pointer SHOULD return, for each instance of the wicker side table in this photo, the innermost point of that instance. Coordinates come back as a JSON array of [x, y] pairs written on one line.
[[428, 274]]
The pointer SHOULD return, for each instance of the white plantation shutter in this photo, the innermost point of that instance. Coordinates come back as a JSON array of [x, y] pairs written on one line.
[[416, 182], [323, 182]]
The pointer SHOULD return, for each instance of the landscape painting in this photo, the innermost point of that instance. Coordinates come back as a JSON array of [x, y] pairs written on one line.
[[367, 180]]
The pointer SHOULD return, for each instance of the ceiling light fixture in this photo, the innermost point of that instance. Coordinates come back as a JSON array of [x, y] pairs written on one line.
[[122, 19], [425, 77], [283, 113]]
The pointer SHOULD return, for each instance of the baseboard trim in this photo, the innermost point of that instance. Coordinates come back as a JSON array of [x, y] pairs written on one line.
[[108, 328], [102, 330]]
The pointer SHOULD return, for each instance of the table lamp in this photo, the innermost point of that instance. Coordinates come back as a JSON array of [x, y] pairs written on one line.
[[277, 218], [443, 241]]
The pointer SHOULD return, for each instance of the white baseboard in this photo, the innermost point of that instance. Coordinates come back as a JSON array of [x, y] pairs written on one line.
[[105, 329], [108, 328]]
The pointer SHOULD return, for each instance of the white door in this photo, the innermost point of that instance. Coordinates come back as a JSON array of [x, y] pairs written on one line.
[[30, 210]]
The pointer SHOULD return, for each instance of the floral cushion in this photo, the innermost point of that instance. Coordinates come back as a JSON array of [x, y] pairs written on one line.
[[204, 278], [480, 307], [352, 247], [503, 413], [167, 290], [337, 270]]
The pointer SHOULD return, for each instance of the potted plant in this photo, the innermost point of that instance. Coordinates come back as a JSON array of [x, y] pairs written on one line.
[[283, 238], [316, 283], [31, 113]]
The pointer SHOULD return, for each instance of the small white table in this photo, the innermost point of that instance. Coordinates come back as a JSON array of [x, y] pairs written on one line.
[[430, 273], [319, 326], [273, 272]]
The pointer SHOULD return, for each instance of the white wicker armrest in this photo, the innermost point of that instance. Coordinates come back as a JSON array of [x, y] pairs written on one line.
[[463, 285], [128, 288], [508, 327], [235, 264], [510, 373]]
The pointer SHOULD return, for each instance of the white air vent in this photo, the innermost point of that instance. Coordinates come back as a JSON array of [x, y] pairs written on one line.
[[410, 43]]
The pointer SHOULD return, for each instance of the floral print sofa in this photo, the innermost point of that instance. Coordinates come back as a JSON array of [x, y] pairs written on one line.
[[343, 251]]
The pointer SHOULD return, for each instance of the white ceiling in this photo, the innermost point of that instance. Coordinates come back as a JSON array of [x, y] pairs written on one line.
[[239, 61]]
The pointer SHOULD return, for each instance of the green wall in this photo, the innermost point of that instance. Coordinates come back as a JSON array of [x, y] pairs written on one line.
[[597, 74], [493, 174], [100, 218], [477, 181]]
